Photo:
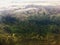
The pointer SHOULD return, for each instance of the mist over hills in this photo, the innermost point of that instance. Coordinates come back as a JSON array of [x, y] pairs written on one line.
[[31, 14], [31, 10], [30, 25], [29, 22]]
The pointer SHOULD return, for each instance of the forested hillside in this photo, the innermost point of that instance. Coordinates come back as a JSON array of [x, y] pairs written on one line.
[[33, 25]]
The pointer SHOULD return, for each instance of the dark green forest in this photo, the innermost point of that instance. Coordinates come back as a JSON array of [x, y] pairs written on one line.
[[35, 30]]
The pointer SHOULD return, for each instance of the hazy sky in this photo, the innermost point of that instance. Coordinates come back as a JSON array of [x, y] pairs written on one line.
[[4, 3]]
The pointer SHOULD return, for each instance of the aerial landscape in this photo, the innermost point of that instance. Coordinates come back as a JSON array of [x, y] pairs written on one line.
[[29, 22]]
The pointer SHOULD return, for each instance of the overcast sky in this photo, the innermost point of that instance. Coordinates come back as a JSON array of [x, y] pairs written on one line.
[[4, 3]]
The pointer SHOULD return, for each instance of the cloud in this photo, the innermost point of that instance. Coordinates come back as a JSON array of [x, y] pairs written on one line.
[[6, 3]]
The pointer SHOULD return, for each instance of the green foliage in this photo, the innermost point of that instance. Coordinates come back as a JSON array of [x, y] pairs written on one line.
[[39, 27]]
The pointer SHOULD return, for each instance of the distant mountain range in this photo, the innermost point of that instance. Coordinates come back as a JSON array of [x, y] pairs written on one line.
[[31, 10]]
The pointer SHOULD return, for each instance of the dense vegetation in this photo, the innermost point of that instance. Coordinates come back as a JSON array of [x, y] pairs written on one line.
[[33, 31]]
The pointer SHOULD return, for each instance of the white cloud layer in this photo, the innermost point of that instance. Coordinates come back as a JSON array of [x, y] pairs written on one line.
[[5, 3]]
